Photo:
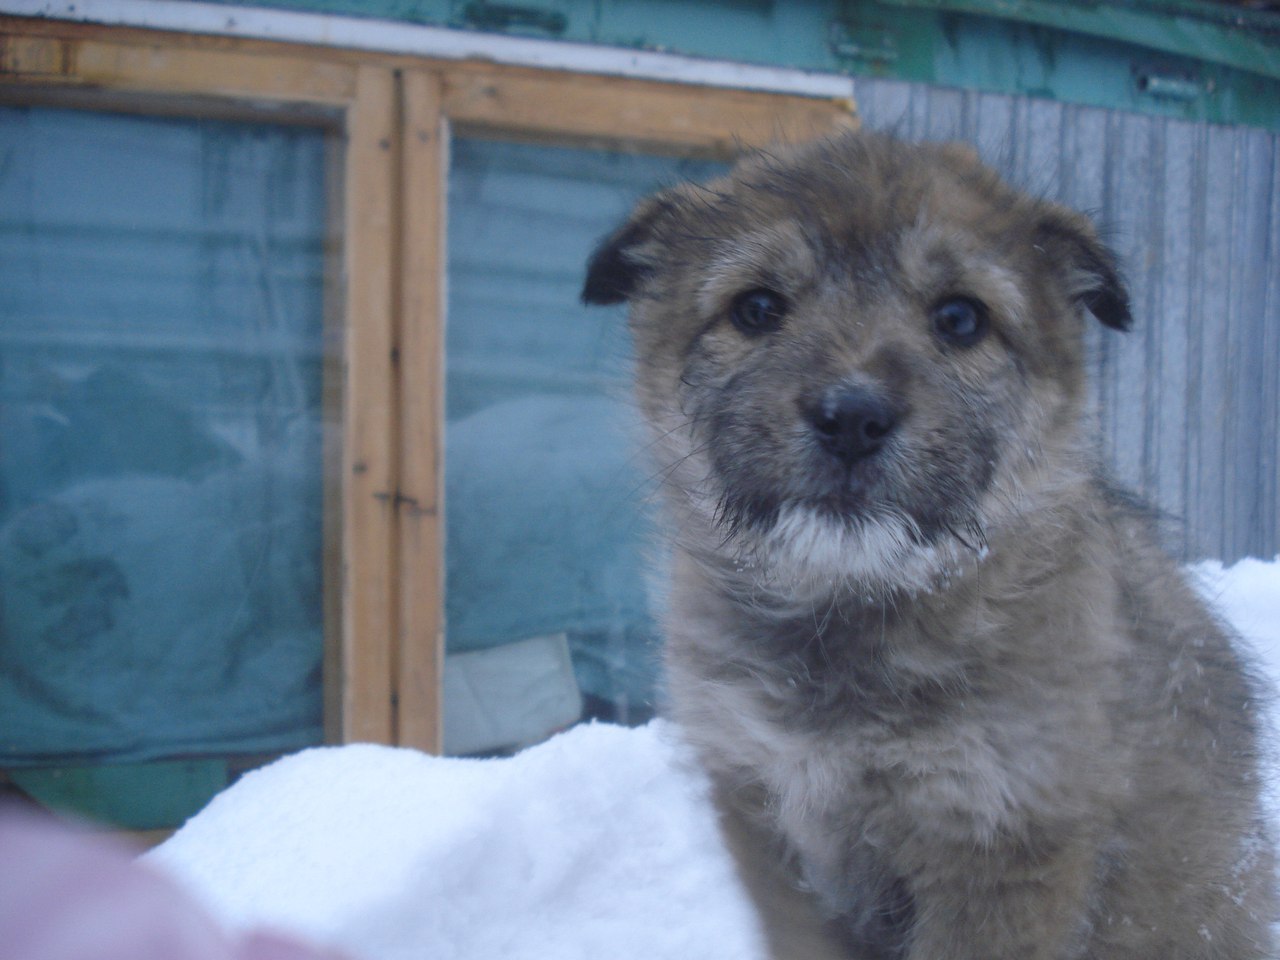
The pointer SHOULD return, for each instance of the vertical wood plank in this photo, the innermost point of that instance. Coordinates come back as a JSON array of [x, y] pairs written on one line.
[[1269, 456], [945, 114], [420, 638], [332, 415], [993, 119], [1198, 544], [1171, 393], [1249, 378], [1134, 215], [368, 453], [1215, 349], [1043, 134]]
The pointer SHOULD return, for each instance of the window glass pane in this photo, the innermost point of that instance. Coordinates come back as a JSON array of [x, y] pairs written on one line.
[[161, 375], [549, 613]]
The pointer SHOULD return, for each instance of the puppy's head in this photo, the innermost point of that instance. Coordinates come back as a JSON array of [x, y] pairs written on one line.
[[859, 357]]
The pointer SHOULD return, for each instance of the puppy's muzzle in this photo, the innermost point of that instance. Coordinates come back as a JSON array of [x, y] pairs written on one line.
[[851, 422]]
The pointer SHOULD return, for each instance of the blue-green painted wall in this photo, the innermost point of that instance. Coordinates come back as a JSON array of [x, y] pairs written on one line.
[[1181, 58]]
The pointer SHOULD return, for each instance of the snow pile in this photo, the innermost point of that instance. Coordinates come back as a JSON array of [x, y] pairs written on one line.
[[1248, 595], [598, 843]]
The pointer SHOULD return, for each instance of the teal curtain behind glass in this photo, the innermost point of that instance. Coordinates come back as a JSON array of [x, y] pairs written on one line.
[[160, 436], [547, 485]]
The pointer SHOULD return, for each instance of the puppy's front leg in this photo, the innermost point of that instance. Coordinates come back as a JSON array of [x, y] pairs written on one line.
[[1015, 904]]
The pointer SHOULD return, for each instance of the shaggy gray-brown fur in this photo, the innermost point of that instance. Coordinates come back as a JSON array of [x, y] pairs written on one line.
[[914, 637]]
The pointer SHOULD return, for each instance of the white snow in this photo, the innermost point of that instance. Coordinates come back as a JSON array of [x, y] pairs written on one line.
[[1248, 595], [599, 843]]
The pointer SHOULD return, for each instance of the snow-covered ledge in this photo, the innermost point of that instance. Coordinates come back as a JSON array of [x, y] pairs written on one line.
[[385, 36]]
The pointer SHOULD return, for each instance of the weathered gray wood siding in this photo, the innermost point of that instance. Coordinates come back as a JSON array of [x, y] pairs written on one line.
[[1190, 400]]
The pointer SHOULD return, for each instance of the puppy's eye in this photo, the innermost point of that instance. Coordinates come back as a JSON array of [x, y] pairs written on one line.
[[758, 311], [960, 321]]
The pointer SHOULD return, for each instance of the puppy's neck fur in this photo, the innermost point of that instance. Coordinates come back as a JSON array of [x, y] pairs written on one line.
[[902, 649]]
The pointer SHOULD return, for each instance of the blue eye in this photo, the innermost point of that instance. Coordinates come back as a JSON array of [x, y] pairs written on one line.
[[961, 321], [758, 311]]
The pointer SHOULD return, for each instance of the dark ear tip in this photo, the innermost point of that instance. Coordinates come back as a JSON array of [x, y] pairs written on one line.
[[616, 268], [1111, 309], [612, 275], [1075, 241], [608, 279]]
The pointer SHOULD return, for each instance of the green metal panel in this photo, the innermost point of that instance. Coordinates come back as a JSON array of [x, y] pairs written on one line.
[[1185, 29], [1178, 58], [778, 34], [926, 42]]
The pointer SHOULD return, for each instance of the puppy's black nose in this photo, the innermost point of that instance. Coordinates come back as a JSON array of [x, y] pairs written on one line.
[[851, 422]]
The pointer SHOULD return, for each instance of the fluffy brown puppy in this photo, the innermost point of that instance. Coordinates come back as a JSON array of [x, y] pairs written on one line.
[[911, 632]]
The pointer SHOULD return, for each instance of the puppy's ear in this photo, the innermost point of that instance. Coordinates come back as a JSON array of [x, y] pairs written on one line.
[[617, 267], [1090, 270]]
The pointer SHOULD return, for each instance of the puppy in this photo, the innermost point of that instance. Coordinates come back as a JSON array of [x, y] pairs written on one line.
[[913, 633]]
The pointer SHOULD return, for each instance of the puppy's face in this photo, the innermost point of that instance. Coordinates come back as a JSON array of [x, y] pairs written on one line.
[[858, 356]]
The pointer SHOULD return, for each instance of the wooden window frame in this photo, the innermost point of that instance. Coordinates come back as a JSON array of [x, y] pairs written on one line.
[[384, 631]]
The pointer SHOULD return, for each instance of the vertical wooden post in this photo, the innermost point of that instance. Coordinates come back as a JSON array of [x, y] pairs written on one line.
[[369, 481], [420, 639]]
